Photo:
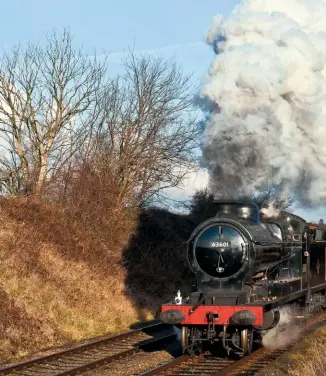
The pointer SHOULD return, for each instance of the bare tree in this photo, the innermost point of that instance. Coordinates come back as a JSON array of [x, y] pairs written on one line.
[[147, 132], [201, 206], [48, 103]]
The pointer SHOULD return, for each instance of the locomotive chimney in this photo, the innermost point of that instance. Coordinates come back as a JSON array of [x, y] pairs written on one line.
[[241, 210]]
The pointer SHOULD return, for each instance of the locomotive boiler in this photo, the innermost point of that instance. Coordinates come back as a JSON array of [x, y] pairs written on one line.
[[225, 251], [245, 271]]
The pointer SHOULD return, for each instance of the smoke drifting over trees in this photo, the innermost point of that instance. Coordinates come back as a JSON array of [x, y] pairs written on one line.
[[266, 98]]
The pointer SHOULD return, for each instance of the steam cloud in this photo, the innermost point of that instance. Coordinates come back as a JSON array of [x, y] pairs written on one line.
[[274, 339], [266, 98]]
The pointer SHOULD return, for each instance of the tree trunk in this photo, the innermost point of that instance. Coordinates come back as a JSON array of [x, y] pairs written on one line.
[[42, 172]]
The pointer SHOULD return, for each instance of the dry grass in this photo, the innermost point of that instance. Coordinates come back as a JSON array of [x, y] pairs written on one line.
[[82, 263], [58, 281], [83, 267], [308, 358]]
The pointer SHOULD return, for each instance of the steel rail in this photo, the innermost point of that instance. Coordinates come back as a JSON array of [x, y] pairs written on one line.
[[92, 353]]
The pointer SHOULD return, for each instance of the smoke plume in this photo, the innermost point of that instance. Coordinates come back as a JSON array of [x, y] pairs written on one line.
[[265, 95], [284, 333]]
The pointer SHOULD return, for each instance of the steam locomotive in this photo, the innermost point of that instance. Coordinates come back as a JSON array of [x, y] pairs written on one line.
[[246, 270]]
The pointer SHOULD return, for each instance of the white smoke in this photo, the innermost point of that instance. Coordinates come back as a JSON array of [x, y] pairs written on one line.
[[273, 209], [285, 331], [270, 211], [266, 97]]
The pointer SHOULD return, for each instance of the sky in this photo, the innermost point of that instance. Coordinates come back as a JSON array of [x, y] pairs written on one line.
[[163, 27], [112, 25]]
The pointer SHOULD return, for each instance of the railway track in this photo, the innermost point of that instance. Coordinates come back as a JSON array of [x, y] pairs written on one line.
[[207, 365], [191, 365], [99, 352], [94, 353]]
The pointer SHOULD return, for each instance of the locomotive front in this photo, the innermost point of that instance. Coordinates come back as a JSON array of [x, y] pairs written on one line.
[[220, 251], [227, 253]]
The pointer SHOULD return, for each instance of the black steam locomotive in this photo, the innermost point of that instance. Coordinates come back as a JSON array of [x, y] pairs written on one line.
[[245, 271]]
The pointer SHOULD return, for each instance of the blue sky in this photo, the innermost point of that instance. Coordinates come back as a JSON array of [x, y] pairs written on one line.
[[166, 27], [162, 27], [112, 25]]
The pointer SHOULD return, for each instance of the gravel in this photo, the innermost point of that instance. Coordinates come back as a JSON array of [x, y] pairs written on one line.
[[136, 364]]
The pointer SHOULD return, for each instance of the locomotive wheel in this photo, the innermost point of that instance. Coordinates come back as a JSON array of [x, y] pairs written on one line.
[[185, 342], [246, 340]]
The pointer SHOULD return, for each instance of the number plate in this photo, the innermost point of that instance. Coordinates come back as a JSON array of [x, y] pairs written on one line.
[[221, 244]]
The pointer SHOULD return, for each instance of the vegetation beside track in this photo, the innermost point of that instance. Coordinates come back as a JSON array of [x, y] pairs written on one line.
[[307, 358]]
